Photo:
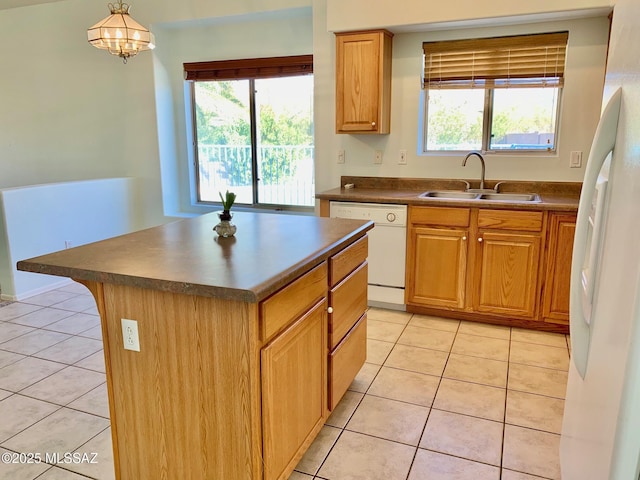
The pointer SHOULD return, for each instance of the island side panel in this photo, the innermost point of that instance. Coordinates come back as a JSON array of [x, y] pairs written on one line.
[[186, 405]]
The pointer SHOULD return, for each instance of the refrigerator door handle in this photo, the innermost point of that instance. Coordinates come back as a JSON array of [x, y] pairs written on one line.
[[603, 143]]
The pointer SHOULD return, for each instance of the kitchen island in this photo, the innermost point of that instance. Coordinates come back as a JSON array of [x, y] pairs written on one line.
[[245, 343]]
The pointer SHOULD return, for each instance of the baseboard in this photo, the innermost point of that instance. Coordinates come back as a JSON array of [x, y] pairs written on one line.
[[36, 291]]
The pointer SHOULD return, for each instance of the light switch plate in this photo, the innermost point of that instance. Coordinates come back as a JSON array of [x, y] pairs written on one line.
[[377, 159], [130, 335], [575, 160]]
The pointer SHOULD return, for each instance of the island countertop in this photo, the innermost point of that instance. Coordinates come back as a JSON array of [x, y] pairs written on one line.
[[267, 252]]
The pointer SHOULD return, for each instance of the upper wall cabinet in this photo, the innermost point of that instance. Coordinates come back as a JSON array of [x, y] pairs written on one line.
[[363, 81]]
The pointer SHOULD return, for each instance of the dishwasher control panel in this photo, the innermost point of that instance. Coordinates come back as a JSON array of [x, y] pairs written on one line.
[[381, 214]]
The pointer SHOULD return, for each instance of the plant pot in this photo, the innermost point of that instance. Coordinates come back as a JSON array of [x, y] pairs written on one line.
[[225, 228]]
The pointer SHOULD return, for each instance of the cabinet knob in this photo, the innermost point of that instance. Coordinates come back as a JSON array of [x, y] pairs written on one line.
[[480, 239], [464, 238], [330, 310], [373, 124]]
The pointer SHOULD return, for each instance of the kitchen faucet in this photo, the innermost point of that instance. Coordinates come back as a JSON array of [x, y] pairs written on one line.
[[464, 162]]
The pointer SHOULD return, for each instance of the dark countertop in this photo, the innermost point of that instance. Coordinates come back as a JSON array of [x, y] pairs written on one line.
[[267, 252], [557, 196]]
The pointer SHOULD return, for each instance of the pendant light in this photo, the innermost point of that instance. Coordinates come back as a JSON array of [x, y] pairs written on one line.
[[120, 34]]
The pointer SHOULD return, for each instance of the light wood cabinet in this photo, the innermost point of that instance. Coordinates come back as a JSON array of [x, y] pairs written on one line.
[[363, 82], [478, 261], [555, 304]]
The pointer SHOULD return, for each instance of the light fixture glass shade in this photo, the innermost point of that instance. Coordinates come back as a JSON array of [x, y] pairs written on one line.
[[120, 34]]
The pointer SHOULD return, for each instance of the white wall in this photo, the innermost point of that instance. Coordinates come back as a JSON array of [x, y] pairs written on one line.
[[39, 219], [580, 111]]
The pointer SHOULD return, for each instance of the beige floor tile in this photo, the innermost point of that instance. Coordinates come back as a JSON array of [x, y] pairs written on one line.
[[437, 466], [41, 318], [34, 341], [7, 358], [18, 412], [95, 402], [10, 330], [62, 431], [75, 287], [477, 370], [75, 323], [300, 476], [23, 471], [16, 309], [385, 331], [392, 316], [377, 351], [405, 386], [56, 473], [483, 347], [345, 408], [318, 451], [531, 451], [49, 298], [93, 362], [427, 338], [361, 457], [511, 475], [463, 436], [92, 311], [471, 399], [103, 468], [485, 330], [417, 359], [4, 394], [71, 350], [65, 386], [79, 303], [541, 381], [539, 355], [95, 333], [389, 419], [437, 323], [26, 372], [539, 338], [534, 411]]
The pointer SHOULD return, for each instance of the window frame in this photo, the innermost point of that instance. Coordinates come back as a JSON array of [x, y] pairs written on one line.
[[250, 69]]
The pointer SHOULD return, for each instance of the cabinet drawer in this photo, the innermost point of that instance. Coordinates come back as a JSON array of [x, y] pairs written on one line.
[[284, 306], [345, 262], [444, 216], [348, 301], [510, 220], [346, 361]]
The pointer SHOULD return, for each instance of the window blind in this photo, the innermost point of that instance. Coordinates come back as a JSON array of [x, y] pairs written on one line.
[[498, 62], [249, 68]]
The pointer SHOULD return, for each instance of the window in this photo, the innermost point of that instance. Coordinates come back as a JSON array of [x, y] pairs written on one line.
[[253, 130], [493, 94]]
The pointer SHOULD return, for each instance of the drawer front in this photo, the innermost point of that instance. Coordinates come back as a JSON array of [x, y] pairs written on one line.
[[345, 262], [445, 216], [283, 307], [510, 220], [346, 361], [348, 301]]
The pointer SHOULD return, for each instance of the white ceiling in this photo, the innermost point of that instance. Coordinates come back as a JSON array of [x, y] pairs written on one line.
[[5, 4]]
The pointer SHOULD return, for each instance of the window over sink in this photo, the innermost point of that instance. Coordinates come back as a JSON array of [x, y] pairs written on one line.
[[499, 94]]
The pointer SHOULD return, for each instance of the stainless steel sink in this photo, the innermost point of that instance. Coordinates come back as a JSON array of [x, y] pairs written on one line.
[[510, 197], [475, 195], [450, 194]]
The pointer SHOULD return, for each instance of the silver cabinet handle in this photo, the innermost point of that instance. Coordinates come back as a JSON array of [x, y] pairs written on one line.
[[330, 310]]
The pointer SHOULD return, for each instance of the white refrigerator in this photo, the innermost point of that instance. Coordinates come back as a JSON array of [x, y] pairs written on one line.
[[601, 426]]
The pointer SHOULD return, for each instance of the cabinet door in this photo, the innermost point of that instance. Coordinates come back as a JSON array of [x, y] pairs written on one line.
[[507, 273], [294, 390], [437, 267], [555, 307], [363, 82]]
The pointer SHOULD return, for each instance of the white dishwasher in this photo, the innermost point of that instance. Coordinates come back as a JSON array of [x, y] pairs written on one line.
[[387, 248]]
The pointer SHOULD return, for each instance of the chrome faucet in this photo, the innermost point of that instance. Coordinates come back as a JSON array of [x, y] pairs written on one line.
[[464, 162]]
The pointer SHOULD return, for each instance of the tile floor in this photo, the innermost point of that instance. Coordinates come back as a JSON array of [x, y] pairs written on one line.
[[437, 399]]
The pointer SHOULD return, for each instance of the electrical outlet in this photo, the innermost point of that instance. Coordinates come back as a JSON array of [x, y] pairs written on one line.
[[130, 335], [340, 156], [402, 160], [575, 160], [377, 159], [67, 244]]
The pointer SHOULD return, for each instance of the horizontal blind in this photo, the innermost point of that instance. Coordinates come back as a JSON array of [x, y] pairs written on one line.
[[523, 60], [249, 68]]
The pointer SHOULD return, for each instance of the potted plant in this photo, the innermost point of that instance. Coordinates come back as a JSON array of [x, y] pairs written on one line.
[[225, 228]]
